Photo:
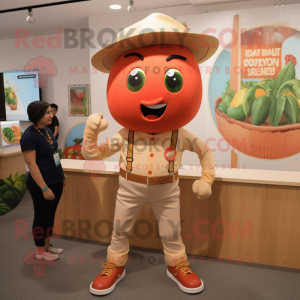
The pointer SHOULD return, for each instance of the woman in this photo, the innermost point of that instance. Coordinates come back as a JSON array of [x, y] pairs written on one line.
[[46, 178]]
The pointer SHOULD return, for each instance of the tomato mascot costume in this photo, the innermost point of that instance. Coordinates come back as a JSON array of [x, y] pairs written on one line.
[[154, 89]]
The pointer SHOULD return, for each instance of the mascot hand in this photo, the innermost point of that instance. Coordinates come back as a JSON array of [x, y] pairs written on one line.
[[96, 122], [202, 189]]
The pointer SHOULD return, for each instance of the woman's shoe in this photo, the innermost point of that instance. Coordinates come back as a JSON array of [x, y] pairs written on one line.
[[48, 256], [53, 254], [55, 250]]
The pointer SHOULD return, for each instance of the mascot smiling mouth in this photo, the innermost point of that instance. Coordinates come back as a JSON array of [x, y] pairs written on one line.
[[153, 112]]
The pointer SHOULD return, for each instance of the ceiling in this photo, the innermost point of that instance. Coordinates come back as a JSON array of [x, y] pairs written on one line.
[[75, 15], [102, 5]]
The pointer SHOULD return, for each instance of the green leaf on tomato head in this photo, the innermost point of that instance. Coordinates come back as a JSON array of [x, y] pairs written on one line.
[[78, 141]]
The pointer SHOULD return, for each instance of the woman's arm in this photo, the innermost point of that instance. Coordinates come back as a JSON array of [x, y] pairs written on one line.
[[30, 159]]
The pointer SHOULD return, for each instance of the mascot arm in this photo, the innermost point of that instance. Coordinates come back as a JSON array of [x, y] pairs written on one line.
[[90, 149], [202, 187]]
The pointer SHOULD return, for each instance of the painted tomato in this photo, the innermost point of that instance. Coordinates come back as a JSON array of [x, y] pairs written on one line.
[[294, 60], [288, 57], [80, 94], [73, 152]]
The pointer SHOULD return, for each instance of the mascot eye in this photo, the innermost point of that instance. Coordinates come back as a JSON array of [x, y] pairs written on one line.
[[136, 80], [173, 80]]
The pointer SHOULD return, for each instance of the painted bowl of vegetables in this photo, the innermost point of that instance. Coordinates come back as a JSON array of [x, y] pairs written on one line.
[[11, 135], [262, 119], [11, 98]]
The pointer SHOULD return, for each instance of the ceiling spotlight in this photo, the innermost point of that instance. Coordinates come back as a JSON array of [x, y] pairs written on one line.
[[275, 5], [115, 6], [131, 6], [282, 4], [30, 18]]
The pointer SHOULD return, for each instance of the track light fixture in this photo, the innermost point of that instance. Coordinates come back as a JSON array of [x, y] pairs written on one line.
[[30, 18], [131, 6]]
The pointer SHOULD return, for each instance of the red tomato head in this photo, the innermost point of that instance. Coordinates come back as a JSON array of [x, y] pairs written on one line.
[[80, 94], [154, 89]]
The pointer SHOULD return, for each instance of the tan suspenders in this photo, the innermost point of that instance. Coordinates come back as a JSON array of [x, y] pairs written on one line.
[[173, 144], [129, 157]]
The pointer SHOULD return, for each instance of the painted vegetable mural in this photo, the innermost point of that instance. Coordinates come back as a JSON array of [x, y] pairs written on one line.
[[12, 190], [73, 152], [10, 98], [73, 143], [262, 118], [12, 134], [273, 101]]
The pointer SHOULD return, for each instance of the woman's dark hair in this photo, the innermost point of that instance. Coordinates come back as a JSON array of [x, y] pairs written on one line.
[[36, 110]]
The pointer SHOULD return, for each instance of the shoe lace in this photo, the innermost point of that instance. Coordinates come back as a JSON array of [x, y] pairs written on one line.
[[183, 267], [108, 269]]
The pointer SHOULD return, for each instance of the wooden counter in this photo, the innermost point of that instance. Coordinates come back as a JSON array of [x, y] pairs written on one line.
[[249, 217], [11, 162]]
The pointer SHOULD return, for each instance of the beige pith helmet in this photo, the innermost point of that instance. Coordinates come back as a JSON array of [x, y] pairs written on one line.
[[156, 29]]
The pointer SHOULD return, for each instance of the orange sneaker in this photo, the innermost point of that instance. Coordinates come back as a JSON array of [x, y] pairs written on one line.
[[107, 280], [186, 279]]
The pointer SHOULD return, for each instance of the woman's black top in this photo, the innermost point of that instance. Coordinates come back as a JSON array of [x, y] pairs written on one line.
[[33, 140]]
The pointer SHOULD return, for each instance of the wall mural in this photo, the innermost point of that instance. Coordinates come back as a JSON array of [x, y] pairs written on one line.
[[12, 190], [73, 143], [257, 112]]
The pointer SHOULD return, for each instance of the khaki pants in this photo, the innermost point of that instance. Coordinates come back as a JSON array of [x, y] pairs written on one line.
[[164, 200]]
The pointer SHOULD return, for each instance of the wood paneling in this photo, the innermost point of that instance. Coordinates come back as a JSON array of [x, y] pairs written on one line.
[[11, 164], [250, 222]]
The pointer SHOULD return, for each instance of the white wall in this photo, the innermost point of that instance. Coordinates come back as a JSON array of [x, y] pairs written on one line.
[[13, 58]]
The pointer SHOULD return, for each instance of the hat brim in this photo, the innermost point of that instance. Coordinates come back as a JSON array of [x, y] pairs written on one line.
[[202, 47]]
